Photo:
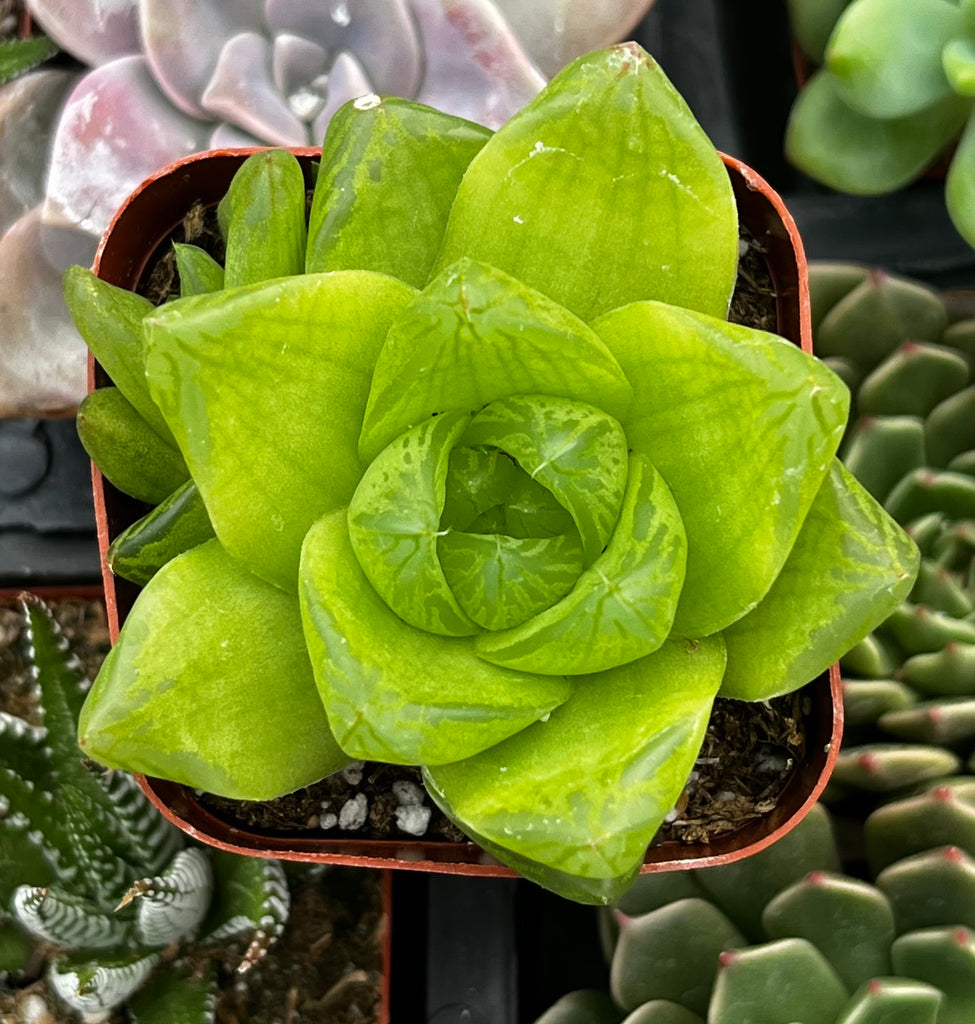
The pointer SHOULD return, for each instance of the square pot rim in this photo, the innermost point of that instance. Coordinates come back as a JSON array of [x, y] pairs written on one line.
[[763, 210]]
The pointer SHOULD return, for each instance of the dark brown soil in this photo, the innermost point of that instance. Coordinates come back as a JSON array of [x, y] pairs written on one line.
[[327, 966]]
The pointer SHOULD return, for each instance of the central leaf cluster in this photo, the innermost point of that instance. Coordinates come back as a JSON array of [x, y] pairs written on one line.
[[471, 522]]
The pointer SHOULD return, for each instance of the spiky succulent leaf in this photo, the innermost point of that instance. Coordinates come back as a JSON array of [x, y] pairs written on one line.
[[94, 986], [171, 905], [69, 921]]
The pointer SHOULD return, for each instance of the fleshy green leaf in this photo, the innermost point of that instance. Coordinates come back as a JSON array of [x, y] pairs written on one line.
[[476, 335], [501, 581], [810, 618], [267, 406], [389, 172], [110, 321], [394, 524], [828, 140], [893, 1001], [958, 60], [175, 525], [264, 214], [209, 684], [960, 184], [788, 980], [573, 801], [885, 55], [395, 693], [571, 448], [812, 23], [622, 607], [602, 191], [742, 426], [126, 449], [199, 272]]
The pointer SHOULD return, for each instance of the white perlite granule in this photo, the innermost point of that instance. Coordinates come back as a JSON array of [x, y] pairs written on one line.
[[413, 819], [354, 813]]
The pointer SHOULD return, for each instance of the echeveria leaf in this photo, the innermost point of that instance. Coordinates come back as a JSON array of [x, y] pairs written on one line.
[[501, 581], [126, 449], [266, 405], [960, 184], [476, 335], [810, 617], [110, 321], [958, 61], [264, 217], [209, 684], [831, 142], [813, 23], [885, 55], [575, 800], [395, 693], [571, 448], [394, 525], [622, 606], [389, 172], [743, 426], [199, 273], [602, 191]]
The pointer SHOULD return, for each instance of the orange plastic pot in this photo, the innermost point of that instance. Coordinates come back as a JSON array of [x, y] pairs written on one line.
[[139, 231]]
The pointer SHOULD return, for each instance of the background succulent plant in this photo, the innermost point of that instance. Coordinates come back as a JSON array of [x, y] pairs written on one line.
[[89, 868], [785, 937], [894, 92], [909, 687]]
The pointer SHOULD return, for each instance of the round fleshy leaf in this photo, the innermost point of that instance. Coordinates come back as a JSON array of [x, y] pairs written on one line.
[[210, 685], [183, 40], [391, 220], [960, 185], [475, 65], [622, 606], [395, 693], [743, 426], [94, 31], [501, 581], [114, 103], [572, 449], [775, 648], [266, 406], [602, 191], [394, 525], [885, 55], [573, 801], [958, 60], [476, 335], [839, 147]]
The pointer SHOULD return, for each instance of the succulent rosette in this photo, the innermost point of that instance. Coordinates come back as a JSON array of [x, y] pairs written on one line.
[[496, 489]]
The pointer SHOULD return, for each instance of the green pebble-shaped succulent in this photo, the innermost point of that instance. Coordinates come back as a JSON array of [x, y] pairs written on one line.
[[909, 687], [785, 937]]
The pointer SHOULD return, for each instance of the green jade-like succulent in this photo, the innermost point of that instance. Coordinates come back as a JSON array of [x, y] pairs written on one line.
[[90, 870], [895, 91], [786, 937], [496, 489], [909, 687]]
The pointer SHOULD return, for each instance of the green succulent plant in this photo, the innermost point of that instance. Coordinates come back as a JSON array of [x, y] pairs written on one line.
[[496, 489], [786, 937], [91, 870], [894, 92], [909, 687]]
